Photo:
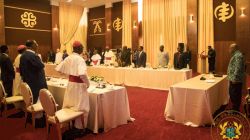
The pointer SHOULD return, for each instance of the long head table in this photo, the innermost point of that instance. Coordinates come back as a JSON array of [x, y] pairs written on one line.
[[140, 77], [109, 107], [193, 102]]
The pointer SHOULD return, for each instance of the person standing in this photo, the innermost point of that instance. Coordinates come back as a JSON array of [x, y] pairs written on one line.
[[235, 74], [65, 54], [109, 57], [32, 69], [163, 57], [76, 96], [96, 59], [59, 56], [51, 56], [125, 57], [211, 59], [7, 70], [141, 58], [18, 80], [134, 57], [188, 56], [180, 57]]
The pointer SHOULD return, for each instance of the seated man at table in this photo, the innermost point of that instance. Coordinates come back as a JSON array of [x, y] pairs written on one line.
[[96, 59], [180, 57], [76, 96]]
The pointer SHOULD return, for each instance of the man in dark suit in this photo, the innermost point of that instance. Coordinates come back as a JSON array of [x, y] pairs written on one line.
[[7, 70], [211, 59], [180, 57], [51, 56], [141, 58], [125, 57], [32, 69]]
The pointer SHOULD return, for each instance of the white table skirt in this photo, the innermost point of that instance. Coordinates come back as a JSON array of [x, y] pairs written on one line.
[[141, 77], [193, 102], [109, 108]]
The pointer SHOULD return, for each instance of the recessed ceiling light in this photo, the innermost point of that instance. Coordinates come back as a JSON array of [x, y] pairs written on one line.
[[69, 0]]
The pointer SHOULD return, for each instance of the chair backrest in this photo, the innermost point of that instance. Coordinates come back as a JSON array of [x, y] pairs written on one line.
[[2, 90], [27, 94], [48, 102]]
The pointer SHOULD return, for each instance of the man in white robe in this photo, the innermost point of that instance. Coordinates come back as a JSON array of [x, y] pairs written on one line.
[[109, 57], [95, 59], [59, 56], [163, 57], [18, 80], [76, 96]]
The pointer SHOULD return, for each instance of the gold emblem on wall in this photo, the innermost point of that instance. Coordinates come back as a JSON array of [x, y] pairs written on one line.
[[97, 28], [117, 24], [224, 12], [28, 19]]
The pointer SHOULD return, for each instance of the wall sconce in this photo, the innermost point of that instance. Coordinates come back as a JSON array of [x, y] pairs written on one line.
[[191, 18], [242, 12], [108, 27], [55, 28], [134, 24]]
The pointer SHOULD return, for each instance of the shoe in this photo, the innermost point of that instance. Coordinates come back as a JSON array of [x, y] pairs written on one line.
[[40, 122]]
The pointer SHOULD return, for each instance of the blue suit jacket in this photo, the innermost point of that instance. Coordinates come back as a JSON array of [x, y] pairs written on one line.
[[32, 72]]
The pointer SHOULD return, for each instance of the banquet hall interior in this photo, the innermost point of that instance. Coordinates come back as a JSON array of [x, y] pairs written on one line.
[[124, 69]]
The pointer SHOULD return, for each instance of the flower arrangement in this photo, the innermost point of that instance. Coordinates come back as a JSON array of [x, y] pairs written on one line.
[[96, 78]]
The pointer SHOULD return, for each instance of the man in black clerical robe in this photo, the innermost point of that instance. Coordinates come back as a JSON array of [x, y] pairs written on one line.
[[180, 57], [125, 57], [32, 69], [7, 70], [51, 56], [211, 59]]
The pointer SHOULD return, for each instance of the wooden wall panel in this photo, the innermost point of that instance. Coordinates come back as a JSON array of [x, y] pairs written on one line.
[[222, 56], [2, 31], [192, 35], [16, 33], [243, 29], [116, 35], [55, 23], [135, 31], [96, 41], [242, 38], [108, 35]]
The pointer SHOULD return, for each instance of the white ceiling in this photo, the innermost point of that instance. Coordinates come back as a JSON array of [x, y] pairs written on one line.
[[91, 3]]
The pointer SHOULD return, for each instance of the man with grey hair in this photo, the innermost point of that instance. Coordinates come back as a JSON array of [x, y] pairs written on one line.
[[235, 73]]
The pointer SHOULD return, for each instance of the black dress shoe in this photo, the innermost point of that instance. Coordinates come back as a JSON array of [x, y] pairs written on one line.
[[40, 122], [73, 134]]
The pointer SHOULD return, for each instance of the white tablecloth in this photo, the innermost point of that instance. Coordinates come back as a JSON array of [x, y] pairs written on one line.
[[109, 107], [141, 77], [193, 102]]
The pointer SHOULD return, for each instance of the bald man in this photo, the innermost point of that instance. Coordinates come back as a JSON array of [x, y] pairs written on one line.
[[236, 74]]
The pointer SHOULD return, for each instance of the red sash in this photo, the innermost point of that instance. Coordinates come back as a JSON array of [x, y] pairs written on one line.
[[95, 62], [17, 70], [107, 58], [75, 79]]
